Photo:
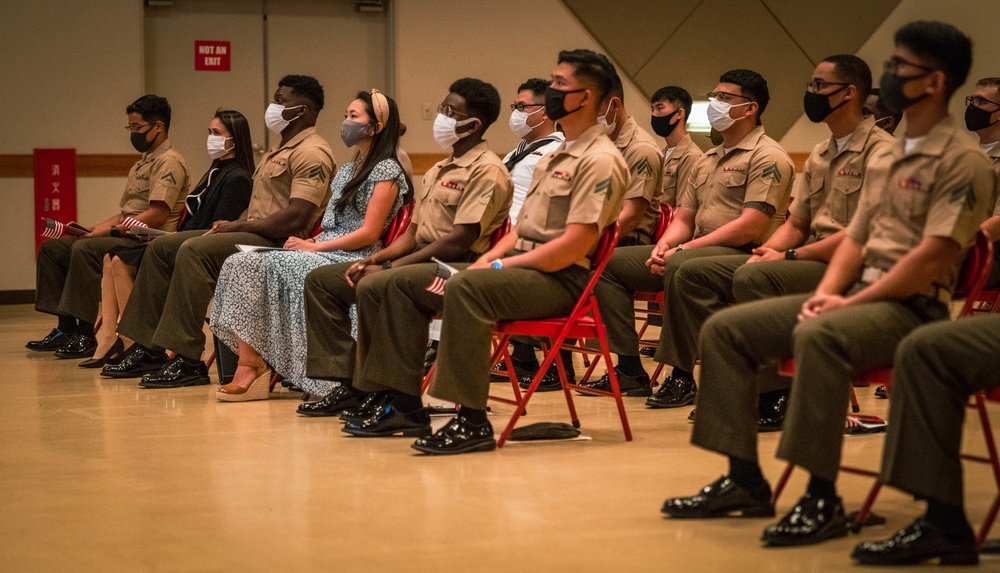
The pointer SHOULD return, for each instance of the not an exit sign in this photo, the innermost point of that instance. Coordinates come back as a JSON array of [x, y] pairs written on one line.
[[211, 56]]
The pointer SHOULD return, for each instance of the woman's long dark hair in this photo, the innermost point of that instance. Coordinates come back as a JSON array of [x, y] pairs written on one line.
[[384, 146], [239, 129]]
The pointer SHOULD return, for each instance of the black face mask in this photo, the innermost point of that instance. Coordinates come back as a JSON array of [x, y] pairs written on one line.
[[817, 106], [555, 103], [139, 141], [976, 119], [891, 91], [662, 126]]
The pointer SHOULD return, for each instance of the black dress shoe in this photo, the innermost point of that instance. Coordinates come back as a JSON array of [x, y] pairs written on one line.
[[136, 361], [430, 355], [647, 351], [919, 542], [691, 415], [881, 392], [722, 498], [176, 373], [459, 436], [370, 405], [629, 385], [78, 346], [341, 398], [521, 369], [388, 421], [550, 382], [52, 341], [812, 520], [772, 408], [114, 356], [674, 393]]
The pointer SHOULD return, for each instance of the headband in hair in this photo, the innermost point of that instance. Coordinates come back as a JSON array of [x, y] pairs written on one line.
[[381, 106]]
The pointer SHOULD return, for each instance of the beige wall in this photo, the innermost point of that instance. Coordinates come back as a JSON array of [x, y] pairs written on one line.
[[440, 41], [69, 69]]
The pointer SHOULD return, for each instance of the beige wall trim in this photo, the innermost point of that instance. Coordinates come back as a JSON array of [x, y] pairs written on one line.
[[87, 165]]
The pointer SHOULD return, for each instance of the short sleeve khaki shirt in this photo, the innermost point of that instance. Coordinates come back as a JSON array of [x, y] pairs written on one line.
[[582, 183], [944, 187], [832, 185], [645, 165], [757, 171], [160, 175], [301, 169], [994, 156], [474, 188], [678, 168]]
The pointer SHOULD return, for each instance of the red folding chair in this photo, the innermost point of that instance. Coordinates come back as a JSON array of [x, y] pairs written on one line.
[[584, 321], [974, 272]]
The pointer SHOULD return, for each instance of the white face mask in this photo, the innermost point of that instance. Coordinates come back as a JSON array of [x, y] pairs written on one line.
[[274, 120], [609, 128], [444, 130], [217, 146], [718, 114], [519, 122]]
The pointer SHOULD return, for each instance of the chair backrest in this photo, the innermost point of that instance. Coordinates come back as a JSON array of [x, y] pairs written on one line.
[[974, 272], [500, 232], [666, 215], [399, 223]]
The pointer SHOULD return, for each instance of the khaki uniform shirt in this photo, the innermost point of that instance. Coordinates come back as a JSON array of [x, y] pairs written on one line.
[[678, 168], [472, 189], [757, 170], [301, 169], [994, 156], [943, 188], [645, 165], [582, 183], [829, 195], [160, 175]]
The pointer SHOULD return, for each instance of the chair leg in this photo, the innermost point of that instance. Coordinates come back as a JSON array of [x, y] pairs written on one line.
[[994, 461], [782, 482], [866, 507], [211, 360], [543, 367], [613, 378], [854, 402], [655, 378]]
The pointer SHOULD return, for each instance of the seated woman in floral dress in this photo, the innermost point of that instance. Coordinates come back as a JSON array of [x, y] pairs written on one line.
[[259, 309]]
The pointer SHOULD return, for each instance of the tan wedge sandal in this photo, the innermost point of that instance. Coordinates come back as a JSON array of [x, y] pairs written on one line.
[[259, 389]]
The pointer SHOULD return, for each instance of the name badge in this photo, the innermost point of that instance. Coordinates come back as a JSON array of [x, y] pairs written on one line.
[[452, 185], [562, 175], [910, 183]]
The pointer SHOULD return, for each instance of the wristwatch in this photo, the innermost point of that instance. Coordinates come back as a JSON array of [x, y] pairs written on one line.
[[791, 255], [497, 264], [115, 232], [386, 265], [679, 247]]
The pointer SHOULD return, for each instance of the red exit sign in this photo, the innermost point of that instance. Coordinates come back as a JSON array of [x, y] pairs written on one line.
[[211, 56]]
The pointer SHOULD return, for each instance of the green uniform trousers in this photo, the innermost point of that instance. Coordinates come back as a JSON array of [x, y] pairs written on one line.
[[175, 285], [740, 342], [706, 285], [68, 275], [936, 369], [627, 274], [331, 346], [395, 310]]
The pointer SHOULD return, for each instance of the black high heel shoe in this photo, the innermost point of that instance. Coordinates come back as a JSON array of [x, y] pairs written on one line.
[[114, 356]]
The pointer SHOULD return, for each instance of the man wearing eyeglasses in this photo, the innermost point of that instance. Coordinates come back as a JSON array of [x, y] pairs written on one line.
[[794, 258], [69, 268], [538, 136], [734, 200], [465, 197], [920, 208], [982, 117]]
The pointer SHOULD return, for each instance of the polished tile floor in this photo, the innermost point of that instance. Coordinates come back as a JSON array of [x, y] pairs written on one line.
[[100, 475]]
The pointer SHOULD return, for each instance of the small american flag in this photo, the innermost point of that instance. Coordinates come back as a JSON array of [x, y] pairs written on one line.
[[53, 228], [129, 222], [441, 277]]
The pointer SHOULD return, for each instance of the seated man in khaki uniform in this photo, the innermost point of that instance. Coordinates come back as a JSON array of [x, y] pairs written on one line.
[[69, 269], [671, 108], [884, 117], [982, 117], [736, 197], [175, 283], [895, 269], [463, 199], [794, 258], [575, 193]]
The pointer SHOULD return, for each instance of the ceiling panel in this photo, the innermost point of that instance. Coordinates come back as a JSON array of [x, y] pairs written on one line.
[[830, 27]]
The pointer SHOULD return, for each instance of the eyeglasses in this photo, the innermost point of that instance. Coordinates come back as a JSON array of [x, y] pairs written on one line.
[[820, 85], [136, 128], [979, 101], [726, 97], [446, 109], [892, 66], [522, 106]]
